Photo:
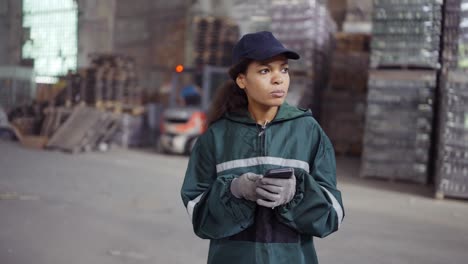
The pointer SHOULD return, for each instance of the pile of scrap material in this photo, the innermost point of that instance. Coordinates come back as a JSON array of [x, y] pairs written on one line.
[[70, 129], [83, 129]]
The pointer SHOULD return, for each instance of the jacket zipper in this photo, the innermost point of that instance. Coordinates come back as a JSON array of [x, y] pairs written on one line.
[[261, 134]]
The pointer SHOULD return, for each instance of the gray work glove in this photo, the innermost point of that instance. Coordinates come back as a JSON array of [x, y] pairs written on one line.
[[276, 192], [245, 186]]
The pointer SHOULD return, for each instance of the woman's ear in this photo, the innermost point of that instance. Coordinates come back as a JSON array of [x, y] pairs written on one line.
[[240, 81]]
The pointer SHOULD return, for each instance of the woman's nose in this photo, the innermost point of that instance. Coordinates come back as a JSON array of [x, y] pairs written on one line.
[[277, 79]]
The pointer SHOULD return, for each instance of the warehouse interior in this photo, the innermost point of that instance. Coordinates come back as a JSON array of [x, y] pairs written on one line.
[[386, 80]]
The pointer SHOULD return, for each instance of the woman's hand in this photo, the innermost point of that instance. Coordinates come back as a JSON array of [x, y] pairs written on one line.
[[275, 192], [245, 186]]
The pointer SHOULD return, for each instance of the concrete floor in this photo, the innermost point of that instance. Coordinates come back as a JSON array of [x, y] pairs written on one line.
[[124, 207]]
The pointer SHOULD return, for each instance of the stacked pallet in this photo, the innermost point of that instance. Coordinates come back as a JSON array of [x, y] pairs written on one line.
[[397, 137], [343, 102], [306, 27], [110, 82], [406, 33], [214, 40], [455, 40], [168, 45], [452, 149]]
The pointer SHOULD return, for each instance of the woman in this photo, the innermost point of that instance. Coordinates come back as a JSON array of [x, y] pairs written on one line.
[[250, 218]]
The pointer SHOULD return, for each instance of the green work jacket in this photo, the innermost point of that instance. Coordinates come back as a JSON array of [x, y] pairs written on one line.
[[240, 231]]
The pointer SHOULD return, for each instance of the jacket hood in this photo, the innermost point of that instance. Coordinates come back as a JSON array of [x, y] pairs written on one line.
[[285, 112]]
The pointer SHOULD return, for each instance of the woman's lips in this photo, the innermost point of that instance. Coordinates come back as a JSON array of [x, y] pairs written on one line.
[[278, 93]]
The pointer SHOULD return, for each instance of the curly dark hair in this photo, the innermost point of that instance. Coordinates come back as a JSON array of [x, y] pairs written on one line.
[[229, 98]]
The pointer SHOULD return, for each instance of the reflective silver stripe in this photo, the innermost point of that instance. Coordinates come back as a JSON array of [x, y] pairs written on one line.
[[191, 205], [241, 163], [336, 206]]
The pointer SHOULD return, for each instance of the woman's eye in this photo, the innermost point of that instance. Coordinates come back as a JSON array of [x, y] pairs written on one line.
[[285, 70], [264, 71]]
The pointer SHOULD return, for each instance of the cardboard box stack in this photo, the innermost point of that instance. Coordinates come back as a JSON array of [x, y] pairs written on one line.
[[343, 102]]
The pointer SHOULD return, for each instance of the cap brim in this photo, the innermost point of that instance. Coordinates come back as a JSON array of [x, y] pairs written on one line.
[[267, 54], [291, 55]]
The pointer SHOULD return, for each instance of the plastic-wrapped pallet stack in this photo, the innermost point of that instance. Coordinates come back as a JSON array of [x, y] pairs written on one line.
[[452, 163], [251, 15], [406, 32], [452, 146], [307, 27], [455, 40], [398, 127], [405, 52]]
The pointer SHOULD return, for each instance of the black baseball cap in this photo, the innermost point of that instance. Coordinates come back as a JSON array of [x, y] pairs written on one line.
[[260, 46]]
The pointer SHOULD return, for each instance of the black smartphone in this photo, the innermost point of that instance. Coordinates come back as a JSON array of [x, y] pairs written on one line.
[[281, 173]]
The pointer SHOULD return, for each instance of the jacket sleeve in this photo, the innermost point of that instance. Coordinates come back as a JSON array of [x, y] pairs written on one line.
[[214, 211], [317, 208]]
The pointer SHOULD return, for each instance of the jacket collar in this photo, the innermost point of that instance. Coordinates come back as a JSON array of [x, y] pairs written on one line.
[[285, 112]]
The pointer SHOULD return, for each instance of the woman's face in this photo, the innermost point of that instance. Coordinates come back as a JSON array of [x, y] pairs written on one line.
[[266, 83]]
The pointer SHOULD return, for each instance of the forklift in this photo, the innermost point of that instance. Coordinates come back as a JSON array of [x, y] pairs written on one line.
[[183, 121]]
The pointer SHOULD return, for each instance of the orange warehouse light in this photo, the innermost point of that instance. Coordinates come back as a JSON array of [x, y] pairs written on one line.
[[179, 68]]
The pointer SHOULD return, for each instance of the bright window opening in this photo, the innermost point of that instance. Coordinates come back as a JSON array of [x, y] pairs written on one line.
[[52, 39]]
